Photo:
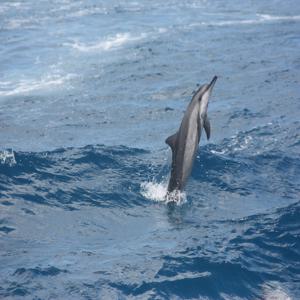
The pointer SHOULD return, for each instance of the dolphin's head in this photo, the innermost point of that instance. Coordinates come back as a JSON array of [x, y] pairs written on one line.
[[204, 94], [206, 89]]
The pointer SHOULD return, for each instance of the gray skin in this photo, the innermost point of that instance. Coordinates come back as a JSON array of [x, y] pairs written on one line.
[[184, 143]]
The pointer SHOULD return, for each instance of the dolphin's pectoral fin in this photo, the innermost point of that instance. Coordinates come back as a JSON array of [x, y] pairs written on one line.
[[171, 141], [206, 126]]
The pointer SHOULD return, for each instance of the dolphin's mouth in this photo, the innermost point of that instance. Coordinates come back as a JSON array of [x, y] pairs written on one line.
[[212, 83]]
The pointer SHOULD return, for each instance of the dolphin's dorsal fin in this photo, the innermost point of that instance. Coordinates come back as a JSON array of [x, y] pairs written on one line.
[[206, 126], [171, 141]]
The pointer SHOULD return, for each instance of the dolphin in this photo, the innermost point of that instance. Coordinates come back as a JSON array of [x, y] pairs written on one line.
[[184, 143]]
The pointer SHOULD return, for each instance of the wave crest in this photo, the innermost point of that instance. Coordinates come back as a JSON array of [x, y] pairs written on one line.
[[9, 88], [7, 157], [110, 43], [260, 19]]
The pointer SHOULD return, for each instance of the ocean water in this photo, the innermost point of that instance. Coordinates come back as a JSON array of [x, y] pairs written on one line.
[[89, 91]]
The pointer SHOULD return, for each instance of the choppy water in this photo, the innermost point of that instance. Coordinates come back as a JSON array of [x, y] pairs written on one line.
[[88, 93]]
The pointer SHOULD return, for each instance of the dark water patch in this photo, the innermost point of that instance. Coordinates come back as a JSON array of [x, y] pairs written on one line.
[[232, 168], [6, 229], [28, 281], [38, 271], [264, 249], [223, 171], [28, 211], [15, 290], [244, 113], [270, 244], [6, 203], [196, 277]]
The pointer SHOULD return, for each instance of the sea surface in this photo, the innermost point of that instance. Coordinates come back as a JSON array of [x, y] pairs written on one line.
[[89, 91]]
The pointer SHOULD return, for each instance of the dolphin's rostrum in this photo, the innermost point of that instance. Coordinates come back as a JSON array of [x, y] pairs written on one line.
[[184, 143]]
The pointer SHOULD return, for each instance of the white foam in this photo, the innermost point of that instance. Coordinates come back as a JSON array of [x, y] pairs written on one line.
[[218, 152], [15, 4], [7, 157], [278, 18], [183, 276], [116, 41], [273, 291], [17, 23], [158, 192], [87, 12], [162, 30], [243, 144], [8, 88], [6, 6], [261, 19], [177, 197], [154, 191]]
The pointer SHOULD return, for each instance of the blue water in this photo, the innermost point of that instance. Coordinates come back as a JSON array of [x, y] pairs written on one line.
[[89, 91]]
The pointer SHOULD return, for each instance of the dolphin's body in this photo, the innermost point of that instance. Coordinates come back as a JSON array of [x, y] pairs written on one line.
[[184, 143]]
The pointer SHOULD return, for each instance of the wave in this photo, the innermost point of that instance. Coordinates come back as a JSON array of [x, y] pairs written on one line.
[[266, 241], [251, 164], [4, 7], [108, 176], [38, 271], [110, 43], [19, 23], [10, 88], [228, 259], [260, 19], [93, 175], [26, 23], [7, 157], [279, 18], [258, 140], [271, 173], [88, 12], [275, 291], [238, 264], [20, 287], [216, 259]]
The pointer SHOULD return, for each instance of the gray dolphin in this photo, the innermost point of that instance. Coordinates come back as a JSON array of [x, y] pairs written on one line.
[[184, 143]]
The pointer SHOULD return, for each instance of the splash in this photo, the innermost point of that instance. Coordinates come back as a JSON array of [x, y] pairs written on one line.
[[7, 157], [154, 191], [158, 192], [177, 197]]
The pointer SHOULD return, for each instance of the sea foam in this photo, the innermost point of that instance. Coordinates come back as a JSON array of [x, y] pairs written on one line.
[[260, 19], [274, 291], [110, 43], [9, 88]]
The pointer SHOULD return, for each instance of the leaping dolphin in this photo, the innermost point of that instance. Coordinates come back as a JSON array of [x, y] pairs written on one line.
[[184, 143]]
